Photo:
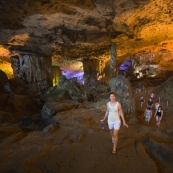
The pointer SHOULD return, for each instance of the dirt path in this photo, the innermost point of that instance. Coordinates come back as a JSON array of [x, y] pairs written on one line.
[[79, 145]]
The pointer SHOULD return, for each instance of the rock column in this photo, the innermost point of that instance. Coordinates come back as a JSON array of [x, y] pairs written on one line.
[[56, 72], [34, 69], [112, 69]]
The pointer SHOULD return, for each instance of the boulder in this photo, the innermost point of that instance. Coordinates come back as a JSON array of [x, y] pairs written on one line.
[[67, 89], [57, 95], [102, 89], [17, 85], [72, 87], [30, 123], [52, 108]]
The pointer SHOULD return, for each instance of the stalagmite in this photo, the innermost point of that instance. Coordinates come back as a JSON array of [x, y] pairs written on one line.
[[56, 72]]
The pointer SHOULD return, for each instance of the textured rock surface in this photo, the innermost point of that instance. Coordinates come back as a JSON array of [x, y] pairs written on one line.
[[121, 86], [33, 69], [3, 81], [75, 30], [50, 109], [18, 106]]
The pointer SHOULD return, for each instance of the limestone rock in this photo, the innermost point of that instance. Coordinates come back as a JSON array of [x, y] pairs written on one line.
[[67, 89], [3, 81], [102, 89], [50, 109], [18, 86], [6, 117], [165, 92], [33, 69], [34, 122], [121, 86]]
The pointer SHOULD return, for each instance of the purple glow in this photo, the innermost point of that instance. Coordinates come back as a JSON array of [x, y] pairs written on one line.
[[72, 73]]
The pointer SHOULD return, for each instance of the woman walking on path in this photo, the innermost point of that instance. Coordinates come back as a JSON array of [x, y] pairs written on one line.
[[148, 115], [140, 87], [114, 112], [142, 100], [150, 103], [152, 95], [159, 115], [157, 104]]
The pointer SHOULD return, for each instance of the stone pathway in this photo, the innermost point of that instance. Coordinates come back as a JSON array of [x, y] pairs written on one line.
[[79, 145]]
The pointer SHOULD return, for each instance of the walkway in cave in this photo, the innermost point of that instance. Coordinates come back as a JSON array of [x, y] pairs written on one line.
[[81, 146]]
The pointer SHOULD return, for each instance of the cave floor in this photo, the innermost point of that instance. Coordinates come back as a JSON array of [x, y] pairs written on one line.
[[79, 145]]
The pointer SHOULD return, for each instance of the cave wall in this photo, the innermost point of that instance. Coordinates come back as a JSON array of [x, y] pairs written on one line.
[[34, 69], [75, 30]]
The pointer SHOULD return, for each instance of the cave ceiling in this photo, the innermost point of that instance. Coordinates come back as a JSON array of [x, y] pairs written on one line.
[[76, 29]]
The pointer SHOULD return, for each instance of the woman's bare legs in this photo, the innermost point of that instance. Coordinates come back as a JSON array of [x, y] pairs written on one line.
[[158, 121], [111, 132], [115, 136]]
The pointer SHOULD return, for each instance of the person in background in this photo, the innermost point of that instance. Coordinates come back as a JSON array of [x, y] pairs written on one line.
[[142, 100], [148, 115], [150, 103], [114, 112], [159, 115], [139, 87], [157, 104], [152, 95]]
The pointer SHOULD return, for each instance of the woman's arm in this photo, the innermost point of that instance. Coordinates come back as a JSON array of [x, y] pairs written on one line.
[[106, 113], [122, 115], [151, 113]]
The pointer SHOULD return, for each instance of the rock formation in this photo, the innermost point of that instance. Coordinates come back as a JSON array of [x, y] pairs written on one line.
[[3, 81], [113, 61], [57, 129], [121, 86], [67, 89], [56, 72], [73, 31], [33, 69]]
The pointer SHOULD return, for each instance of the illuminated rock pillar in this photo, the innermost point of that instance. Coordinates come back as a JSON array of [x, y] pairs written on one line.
[[112, 70], [56, 72], [34, 69]]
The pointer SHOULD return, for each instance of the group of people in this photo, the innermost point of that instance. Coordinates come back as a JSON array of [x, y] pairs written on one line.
[[114, 114], [158, 111]]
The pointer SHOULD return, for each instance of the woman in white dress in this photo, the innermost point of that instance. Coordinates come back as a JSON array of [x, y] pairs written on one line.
[[114, 112]]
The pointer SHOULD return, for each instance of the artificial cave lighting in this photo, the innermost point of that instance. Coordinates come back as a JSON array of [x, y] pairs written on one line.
[[6, 67], [4, 52], [56, 72], [146, 70], [5, 64], [69, 73], [153, 75]]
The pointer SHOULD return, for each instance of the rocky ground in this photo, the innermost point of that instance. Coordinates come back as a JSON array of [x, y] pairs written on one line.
[[78, 144]]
